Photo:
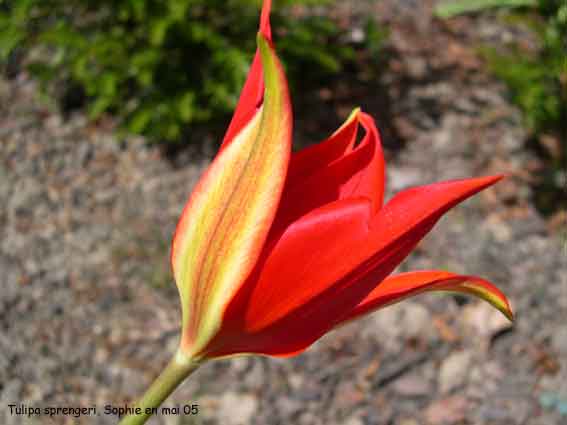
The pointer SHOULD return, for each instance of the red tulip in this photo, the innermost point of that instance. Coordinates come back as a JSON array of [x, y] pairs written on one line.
[[274, 250]]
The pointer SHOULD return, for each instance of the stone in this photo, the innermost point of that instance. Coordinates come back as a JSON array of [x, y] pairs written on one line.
[[404, 320], [559, 340], [354, 420], [454, 371], [236, 409], [447, 411], [412, 386], [484, 320], [408, 421]]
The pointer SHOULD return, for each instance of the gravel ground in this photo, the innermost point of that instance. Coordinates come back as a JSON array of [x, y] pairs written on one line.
[[89, 314]]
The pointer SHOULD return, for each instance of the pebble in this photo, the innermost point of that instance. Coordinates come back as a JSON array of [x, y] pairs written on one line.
[[446, 411], [412, 386], [354, 420], [454, 371], [403, 178], [559, 340], [484, 320], [236, 409], [408, 422], [407, 319]]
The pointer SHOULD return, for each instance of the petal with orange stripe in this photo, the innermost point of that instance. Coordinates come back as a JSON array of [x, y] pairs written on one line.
[[226, 221]]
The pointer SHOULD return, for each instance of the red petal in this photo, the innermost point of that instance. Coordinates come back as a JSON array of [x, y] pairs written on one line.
[[399, 287], [405, 220], [371, 183], [395, 231], [306, 284], [358, 173], [305, 260], [265, 27], [252, 94], [413, 206]]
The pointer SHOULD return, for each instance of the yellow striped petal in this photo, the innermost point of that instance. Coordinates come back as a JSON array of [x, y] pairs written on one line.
[[226, 221]]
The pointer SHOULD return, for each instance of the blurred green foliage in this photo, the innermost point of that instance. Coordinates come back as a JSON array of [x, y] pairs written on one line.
[[161, 65], [537, 80], [454, 8], [538, 85]]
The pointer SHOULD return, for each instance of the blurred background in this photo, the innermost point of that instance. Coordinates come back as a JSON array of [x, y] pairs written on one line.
[[110, 111]]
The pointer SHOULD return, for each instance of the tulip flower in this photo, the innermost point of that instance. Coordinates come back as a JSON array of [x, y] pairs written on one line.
[[273, 250]]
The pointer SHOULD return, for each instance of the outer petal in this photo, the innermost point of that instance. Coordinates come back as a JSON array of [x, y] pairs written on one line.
[[226, 221], [358, 173], [399, 287], [332, 272], [252, 94], [401, 224], [416, 205], [305, 284]]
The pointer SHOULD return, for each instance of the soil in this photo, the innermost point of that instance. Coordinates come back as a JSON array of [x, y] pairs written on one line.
[[89, 313]]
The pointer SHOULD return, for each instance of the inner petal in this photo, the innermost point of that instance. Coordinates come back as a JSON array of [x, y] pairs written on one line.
[[359, 172]]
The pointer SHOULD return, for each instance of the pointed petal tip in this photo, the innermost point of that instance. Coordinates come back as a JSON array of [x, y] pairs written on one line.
[[486, 291], [496, 177], [507, 311], [485, 181], [265, 27], [354, 113], [500, 303]]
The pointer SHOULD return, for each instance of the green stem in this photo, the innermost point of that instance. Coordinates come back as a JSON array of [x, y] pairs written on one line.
[[179, 368]]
